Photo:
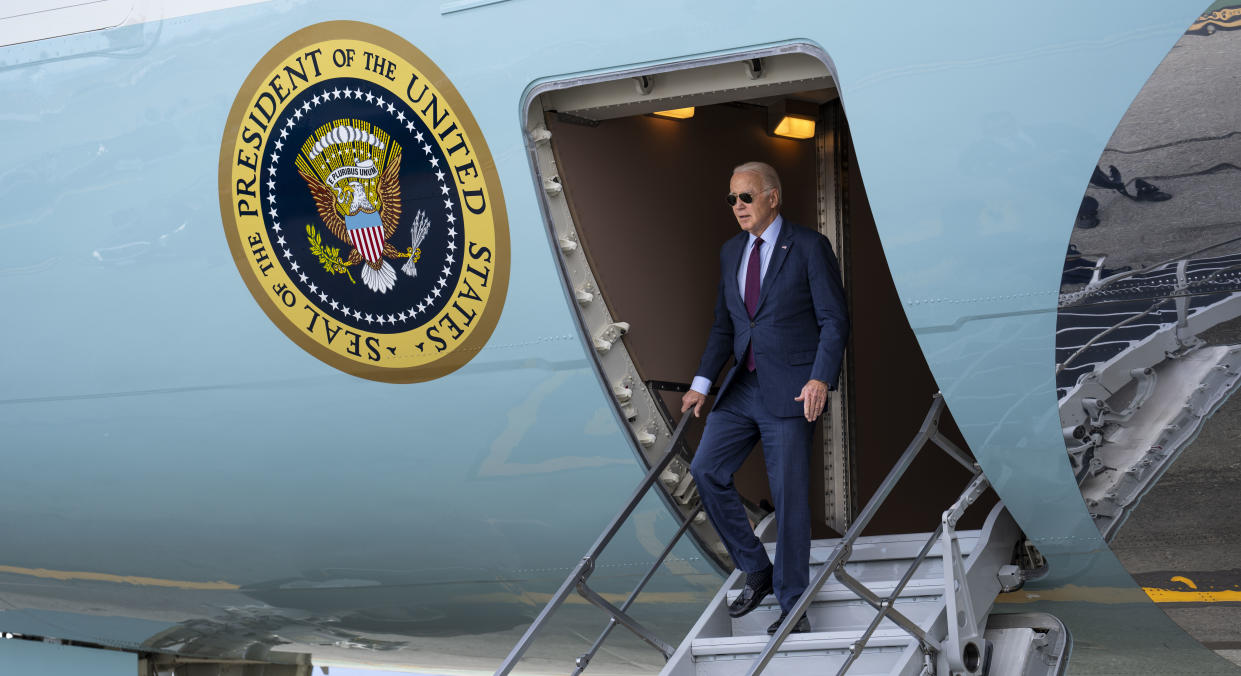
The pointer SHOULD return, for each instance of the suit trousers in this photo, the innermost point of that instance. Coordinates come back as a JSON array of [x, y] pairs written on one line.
[[738, 421]]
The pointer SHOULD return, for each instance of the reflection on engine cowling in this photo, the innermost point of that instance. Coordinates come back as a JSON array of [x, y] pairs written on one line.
[[1148, 340]]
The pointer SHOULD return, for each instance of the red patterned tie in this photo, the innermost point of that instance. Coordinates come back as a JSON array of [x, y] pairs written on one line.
[[753, 276]]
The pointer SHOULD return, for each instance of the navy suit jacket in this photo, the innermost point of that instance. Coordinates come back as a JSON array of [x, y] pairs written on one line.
[[799, 328]]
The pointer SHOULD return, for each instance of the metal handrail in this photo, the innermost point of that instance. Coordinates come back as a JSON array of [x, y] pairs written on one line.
[[584, 660], [856, 650], [929, 431], [576, 581]]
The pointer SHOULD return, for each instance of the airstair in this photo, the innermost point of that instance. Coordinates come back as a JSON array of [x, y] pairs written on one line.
[[900, 577], [915, 604]]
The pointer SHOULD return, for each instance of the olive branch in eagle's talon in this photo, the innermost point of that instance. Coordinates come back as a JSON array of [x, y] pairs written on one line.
[[328, 256]]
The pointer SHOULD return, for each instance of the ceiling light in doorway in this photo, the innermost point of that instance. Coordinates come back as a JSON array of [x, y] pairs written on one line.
[[675, 113], [792, 119]]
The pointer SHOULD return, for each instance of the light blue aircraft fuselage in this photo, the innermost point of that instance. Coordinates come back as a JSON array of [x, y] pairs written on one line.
[[171, 457]]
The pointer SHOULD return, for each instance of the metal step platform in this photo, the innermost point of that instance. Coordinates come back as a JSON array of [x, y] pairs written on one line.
[[840, 618]]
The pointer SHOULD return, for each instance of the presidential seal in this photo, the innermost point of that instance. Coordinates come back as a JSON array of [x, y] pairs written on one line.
[[361, 204]]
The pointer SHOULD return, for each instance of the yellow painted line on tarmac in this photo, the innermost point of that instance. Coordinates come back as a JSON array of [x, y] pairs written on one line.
[[1194, 595], [122, 579], [1169, 596]]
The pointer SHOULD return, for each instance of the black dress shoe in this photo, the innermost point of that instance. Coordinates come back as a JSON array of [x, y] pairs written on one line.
[[757, 587], [802, 626]]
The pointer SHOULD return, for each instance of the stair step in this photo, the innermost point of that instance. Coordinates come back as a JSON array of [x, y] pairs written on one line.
[[822, 640], [884, 547], [880, 662], [834, 591], [814, 653], [878, 572], [884, 557], [851, 613]]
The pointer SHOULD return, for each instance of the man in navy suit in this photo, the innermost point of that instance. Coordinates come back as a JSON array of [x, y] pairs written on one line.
[[781, 314]]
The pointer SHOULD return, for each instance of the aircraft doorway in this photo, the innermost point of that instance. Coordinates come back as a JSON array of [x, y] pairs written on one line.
[[636, 203]]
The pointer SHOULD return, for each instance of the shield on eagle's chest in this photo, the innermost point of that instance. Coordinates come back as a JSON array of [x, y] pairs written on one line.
[[366, 234]]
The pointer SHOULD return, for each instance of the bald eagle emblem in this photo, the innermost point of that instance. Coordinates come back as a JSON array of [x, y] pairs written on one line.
[[353, 172]]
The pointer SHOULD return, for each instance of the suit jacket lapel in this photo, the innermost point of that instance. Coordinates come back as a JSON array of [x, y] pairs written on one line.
[[777, 261], [734, 265]]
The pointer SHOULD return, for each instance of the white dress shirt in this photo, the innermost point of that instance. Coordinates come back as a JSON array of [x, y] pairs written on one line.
[[769, 236]]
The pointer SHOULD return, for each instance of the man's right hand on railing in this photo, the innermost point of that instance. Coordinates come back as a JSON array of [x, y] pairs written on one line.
[[693, 399]]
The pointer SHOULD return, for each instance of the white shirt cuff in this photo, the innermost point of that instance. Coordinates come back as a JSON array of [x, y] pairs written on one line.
[[701, 385]]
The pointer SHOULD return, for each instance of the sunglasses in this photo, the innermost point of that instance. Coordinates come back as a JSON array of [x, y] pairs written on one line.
[[745, 197]]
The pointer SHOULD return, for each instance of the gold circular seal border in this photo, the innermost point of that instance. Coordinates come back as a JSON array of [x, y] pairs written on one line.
[[490, 316]]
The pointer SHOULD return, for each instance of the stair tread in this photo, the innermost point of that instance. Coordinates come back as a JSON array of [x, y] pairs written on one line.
[[883, 547], [819, 640], [895, 537], [834, 591]]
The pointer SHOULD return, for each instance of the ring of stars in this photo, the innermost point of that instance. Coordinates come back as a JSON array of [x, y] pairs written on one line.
[[312, 289]]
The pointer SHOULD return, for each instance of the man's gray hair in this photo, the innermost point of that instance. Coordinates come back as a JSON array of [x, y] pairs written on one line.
[[766, 173]]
